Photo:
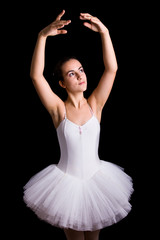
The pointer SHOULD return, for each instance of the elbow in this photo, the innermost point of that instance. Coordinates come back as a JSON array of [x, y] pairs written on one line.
[[115, 68], [33, 77], [112, 68], [33, 74]]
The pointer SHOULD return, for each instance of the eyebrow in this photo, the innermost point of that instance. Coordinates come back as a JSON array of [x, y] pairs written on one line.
[[73, 70]]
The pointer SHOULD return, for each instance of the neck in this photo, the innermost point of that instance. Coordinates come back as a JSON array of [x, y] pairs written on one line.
[[76, 100]]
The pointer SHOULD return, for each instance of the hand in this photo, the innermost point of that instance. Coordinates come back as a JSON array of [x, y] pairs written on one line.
[[55, 27], [95, 24]]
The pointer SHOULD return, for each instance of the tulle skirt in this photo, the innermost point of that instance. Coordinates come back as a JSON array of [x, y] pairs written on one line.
[[83, 205]]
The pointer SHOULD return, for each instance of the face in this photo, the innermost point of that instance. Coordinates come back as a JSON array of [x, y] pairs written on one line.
[[74, 76]]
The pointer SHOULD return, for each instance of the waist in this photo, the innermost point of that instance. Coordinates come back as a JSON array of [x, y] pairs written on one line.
[[80, 168]]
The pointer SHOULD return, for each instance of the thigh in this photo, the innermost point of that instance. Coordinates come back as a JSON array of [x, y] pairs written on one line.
[[93, 235], [73, 234]]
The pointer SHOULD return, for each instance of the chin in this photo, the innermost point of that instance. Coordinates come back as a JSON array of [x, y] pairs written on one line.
[[84, 88]]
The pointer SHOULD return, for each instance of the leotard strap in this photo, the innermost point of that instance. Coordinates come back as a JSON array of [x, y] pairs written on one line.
[[90, 109], [65, 113]]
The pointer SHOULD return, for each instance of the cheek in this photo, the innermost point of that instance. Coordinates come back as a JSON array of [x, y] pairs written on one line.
[[69, 82], [85, 77]]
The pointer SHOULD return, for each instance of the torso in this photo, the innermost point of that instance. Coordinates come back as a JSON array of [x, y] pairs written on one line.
[[78, 116]]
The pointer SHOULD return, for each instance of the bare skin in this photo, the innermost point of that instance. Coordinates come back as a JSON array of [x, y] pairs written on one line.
[[79, 235], [75, 83]]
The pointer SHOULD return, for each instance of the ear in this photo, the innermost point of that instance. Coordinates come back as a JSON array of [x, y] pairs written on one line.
[[61, 83]]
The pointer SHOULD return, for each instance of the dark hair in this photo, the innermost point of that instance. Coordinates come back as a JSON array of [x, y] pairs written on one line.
[[58, 68]]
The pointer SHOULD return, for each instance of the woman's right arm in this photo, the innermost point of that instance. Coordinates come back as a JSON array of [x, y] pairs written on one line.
[[49, 99]]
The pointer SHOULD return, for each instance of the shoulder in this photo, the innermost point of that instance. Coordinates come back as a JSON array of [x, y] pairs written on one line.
[[58, 113], [97, 110]]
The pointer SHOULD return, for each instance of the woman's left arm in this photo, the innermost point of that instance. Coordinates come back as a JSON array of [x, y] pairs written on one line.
[[102, 91]]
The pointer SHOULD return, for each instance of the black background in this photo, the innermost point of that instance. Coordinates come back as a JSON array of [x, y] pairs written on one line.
[[32, 136]]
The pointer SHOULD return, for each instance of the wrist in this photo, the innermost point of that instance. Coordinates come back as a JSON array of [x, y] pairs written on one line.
[[41, 35], [104, 32]]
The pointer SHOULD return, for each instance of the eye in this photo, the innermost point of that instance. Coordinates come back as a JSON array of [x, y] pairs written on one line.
[[71, 74], [81, 70]]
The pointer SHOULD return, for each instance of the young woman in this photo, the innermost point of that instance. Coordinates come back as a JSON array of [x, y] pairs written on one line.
[[81, 194]]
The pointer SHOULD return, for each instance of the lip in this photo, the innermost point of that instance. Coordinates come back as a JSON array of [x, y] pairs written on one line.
[[81, 83]]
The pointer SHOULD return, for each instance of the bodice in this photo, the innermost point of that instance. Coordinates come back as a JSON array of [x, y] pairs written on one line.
[[79, 147]]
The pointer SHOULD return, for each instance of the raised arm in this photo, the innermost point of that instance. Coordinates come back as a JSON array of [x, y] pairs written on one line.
[[47, 96], [101, 93]]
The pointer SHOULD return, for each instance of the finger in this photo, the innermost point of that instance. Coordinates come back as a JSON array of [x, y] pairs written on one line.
[[60, 15], [61, 31], [60, 24], [86, 24], [94, 19], [85, 16], [65, 22]]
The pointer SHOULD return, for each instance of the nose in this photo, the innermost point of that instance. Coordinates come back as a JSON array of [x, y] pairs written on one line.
[[78, 76]]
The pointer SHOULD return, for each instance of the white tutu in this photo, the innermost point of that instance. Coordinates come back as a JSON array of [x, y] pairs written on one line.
[[82, 192], [84, 205]]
